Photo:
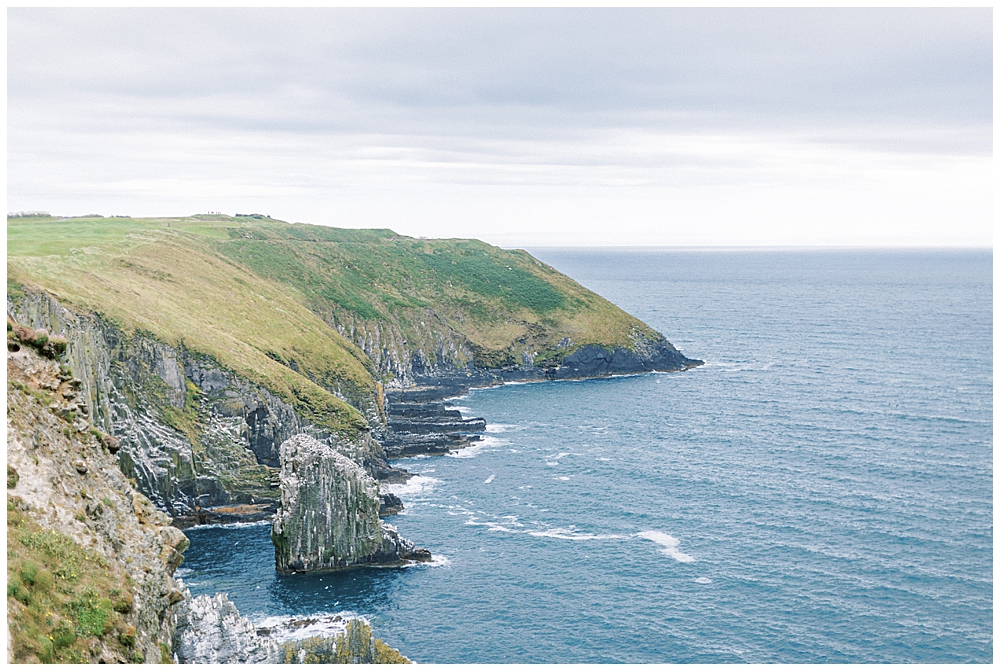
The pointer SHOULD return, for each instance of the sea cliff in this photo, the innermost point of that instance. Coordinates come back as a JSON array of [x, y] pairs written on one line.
[[329, 514]]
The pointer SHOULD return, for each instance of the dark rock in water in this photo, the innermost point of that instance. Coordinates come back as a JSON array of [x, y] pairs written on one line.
[[426, 428], [240, 512], [328, 517], [390, 504]]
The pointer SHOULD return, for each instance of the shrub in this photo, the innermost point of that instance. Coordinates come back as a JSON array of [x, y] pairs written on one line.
[[12, 477], [127, 637], [64, 634]]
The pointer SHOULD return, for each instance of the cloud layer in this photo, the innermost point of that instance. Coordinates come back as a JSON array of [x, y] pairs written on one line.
[[523, 127]]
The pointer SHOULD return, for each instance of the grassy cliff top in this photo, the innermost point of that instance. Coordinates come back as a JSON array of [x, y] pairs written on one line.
[[259, 294]]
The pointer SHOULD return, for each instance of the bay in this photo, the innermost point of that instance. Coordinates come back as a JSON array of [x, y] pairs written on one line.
[[819, 491]]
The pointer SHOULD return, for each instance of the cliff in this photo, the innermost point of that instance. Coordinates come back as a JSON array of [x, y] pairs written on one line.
[[89, 559], [205, 342], [329, 514], [200, 441]]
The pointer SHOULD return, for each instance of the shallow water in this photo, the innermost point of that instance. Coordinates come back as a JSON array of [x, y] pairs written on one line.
[[819, 491]]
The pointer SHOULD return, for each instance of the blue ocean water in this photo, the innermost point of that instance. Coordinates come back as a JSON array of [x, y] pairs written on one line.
[[819, 491]]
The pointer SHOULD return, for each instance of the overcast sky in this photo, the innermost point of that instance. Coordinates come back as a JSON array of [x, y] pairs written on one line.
[[520, 127]]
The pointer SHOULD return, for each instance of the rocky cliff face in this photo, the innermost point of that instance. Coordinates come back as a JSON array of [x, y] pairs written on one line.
[[209, 630], [437, 355], [329, 514], [90, 559], [194, 436]]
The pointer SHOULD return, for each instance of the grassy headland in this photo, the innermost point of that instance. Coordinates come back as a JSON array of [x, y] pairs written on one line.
[[265, 297]]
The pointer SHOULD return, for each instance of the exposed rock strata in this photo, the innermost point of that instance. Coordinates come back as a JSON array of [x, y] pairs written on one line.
[[329, 514], [66, 482], [201, 442]]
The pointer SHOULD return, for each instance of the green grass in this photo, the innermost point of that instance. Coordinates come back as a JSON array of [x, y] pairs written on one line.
[[61, 598], [263, 298]]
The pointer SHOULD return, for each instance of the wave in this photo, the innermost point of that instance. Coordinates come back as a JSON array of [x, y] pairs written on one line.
[[703, 581], [435, 562], [668, 545], [477, 447], [489, 479], [571, 535], [500, 428], [231, 525], [418, 484]]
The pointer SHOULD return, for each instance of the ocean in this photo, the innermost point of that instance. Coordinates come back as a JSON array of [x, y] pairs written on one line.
[[819, 491]]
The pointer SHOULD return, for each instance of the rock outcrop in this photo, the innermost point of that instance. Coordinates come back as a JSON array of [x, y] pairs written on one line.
[[209, 630], [329, 514], [89, 559], [201, 442]]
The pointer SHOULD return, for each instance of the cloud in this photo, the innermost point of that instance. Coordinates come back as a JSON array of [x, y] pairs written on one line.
[[302, 107]]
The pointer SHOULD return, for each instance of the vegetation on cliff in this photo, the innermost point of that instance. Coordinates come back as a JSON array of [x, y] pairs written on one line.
[[89, 560], [270, 299]]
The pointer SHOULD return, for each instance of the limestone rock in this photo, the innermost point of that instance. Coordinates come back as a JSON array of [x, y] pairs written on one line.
[[328, 517], [210, 630]]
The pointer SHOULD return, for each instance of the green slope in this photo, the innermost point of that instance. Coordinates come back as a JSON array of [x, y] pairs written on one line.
[[263, 297]]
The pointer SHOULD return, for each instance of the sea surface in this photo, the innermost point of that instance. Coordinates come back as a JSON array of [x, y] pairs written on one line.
[[819, 491]]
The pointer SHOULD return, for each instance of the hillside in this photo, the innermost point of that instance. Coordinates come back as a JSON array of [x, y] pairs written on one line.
[[206, 341]]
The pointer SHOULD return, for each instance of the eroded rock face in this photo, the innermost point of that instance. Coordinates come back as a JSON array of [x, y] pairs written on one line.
[[63, 483], [329, 514], [132, 387], [209, 630]]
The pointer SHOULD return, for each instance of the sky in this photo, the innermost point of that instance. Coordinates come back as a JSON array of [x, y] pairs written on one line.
[[643, 127]]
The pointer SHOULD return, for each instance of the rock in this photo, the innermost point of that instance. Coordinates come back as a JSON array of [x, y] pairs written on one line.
[[210, 630], [390, 504], [111, 443], [174, 545], [80, 467], [328, 516]]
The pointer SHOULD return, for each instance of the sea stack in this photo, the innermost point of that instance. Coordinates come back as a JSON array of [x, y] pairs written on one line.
[[328, 516]]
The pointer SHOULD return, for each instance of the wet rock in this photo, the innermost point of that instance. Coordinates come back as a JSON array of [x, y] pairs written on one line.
[[390, 504]]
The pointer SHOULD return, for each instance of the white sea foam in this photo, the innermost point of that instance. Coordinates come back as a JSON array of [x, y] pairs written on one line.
[[703, 581], [477, 447], [668, 545], [499, 428], [563, 477], [558, 456], [418, 484], [460, 408], [551, 463], [231, 525], [436, 561], [489, 479], [571, 535]]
